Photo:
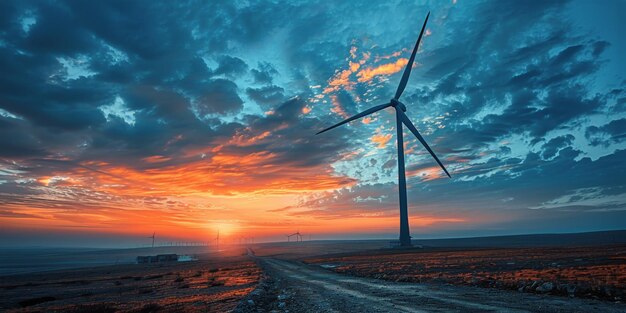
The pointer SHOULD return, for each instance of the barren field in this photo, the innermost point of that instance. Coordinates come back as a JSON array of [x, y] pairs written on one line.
[[330, 276], [590, 272], [295, 287], [210, 285]]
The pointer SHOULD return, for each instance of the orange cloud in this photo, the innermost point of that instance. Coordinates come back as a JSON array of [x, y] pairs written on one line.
[[241, 139], [354, 66], [341, 79], [353, 52], [426, 174], [225, 173], [156, 159], [381, 140], [227, 187], [337, 108], [387, 57], [369, 73]]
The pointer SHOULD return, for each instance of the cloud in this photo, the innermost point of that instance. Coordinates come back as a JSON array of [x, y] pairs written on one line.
[[109, 107], [611, 133], [369, 73], [266, 96], [551, 147], [264, 73], [219, 96], [230, 66], [380, 139]]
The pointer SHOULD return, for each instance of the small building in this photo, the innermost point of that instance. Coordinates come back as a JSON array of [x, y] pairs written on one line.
[[159, 258], [167, 257]]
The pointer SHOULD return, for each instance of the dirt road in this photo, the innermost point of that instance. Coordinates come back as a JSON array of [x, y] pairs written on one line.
[[292, 286]]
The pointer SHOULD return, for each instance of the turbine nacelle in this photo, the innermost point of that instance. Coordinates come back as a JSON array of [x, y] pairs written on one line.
[[397, 104]]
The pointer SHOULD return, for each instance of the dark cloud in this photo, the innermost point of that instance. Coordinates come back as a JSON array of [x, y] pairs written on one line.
[[611, 133], [219, 96], [264, 73], [293, 138], [17, 141], [230, 66], [55, 32], [551, 147], [266, 96]]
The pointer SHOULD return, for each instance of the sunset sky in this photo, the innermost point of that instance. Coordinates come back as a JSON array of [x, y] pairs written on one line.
[[123, 118]]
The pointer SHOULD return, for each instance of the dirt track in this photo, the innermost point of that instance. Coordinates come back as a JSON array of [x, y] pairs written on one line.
[[296, 287]]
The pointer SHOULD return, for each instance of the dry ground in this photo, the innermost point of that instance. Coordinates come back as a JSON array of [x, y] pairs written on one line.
[[337, 277], [590, 272], [214, 285], [292, 286]]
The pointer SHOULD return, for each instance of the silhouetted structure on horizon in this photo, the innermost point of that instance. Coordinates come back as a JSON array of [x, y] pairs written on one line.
[[157, 258], [298, 236]]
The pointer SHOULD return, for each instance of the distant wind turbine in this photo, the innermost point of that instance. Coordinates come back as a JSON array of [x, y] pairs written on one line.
[[152, 238], [217, 241], [297, 234], [401, 118]]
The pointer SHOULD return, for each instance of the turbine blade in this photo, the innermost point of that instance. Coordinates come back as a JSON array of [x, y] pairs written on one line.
[[407, 69], [359, 115], [407, 122]]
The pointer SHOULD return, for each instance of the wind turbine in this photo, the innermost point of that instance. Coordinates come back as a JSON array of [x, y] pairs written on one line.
[[154, 233], [297, 234], [401, 118], [217, 240]]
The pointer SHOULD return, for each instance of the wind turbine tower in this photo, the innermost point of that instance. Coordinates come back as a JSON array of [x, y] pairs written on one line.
[[217, 240], [153, 236]]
